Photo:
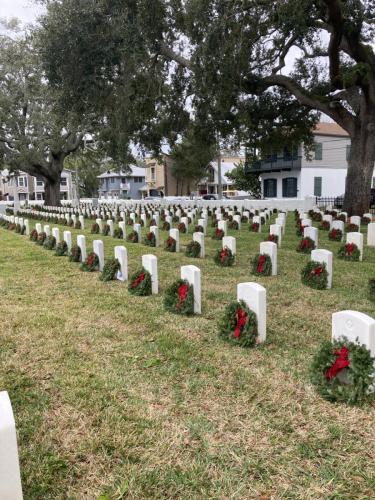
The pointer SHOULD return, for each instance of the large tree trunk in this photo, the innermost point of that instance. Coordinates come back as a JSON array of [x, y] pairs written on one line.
[[360, 171], [52, 184]]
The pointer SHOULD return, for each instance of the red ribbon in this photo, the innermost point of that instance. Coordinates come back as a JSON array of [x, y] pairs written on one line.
[[261, 262], [150, 236], [341, 362], [223, 255], [241, 318], [182, 293], [218, 232], [317, 271], [255, 227], [138, 280], [349, 248]]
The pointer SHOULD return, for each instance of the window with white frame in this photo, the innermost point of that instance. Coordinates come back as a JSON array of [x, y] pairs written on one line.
[[39, 181], [22, 181], [63, 181]]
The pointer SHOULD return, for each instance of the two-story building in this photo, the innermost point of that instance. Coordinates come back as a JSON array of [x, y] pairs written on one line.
[[288, 174], [23, 187], [123, 185]]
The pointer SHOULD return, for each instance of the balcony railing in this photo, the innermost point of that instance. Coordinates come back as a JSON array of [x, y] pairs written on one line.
[[278, 163]]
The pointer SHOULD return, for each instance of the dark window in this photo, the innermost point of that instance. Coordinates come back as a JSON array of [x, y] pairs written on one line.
[[290, 154], [64, 181], [112, 180], [123, 180], [290, 187], [348, 148], [318, 148], [270, 188], [317, 186]]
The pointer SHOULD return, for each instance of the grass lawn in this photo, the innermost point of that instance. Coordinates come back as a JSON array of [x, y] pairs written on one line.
[[114, 397]]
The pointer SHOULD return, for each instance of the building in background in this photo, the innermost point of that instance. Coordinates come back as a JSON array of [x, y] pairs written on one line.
[[123, 185], [24, 187], [288, 174]]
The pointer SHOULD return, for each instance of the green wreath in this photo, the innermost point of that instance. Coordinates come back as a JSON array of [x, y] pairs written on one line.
[[23, 230], [41, 237], [254, 227], [182, 227], [238, 325], [75, 254], [218, 234], [199, 229], [352, 228], [262, 265], [170, 244], [274, 238], [110, 270], [166, 226], [233, 225], [150, 239], [325, 225], [193, 249], [335, 235], [179, 298], [50, 243], [61, 249], [106, 230], [224, 257], [118, 233], [95, 228], [78, 225], [140, 283], [315, 275], [342, 371], [350, 252], [132, 237], [366, 220], [91, 264], [306, 245], [34, 235]]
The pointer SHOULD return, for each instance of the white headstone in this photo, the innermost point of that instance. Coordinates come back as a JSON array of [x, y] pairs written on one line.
[[192, 274], [82, 221], [150, 263], [320, 255], [255, 297], [121, 255], [138, 230], [371, 234], [121, 225], [328, 218], [111, 227], [98, 248], [100, 224], [81, 242], [237, 218], [276, 229], [357, 239], [311, 232], [222, 224], [56, 234], [175, 234], [155, 230], [355, 326], [68, 239], [355, 219], [229, 242], [338, 224], [270, 248], [47, 230], [27, 227], [203, 223], [306, 222], [185, 221], [257, 220], [199, 238], [10, 477]]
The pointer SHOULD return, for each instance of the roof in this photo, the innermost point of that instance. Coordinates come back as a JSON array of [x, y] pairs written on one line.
[[330, 129], [135, 172]]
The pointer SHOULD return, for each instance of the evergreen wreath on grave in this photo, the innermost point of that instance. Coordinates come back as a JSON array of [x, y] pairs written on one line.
[[75, 254], [342, 371], [170, 244], [41, 237], [140, 283], [244, 219], [218, 234], [315, 275], [224, 257], [150, 240], [193, 249], [50, 243], [175, 218], [129, 222], [152, 223], [12, 226], [352, 228], [325, 225], [110, 270], [179, 298], [366, 220], [335, 235], [18, 228], [62, 221], [274, 238], [262, 265], [371, 289], [350, 252], [132, 237], [254, 227], [306, 245], [233, 225], [91, 264], [300, 230], [106, 230], [70, 223], [118, 233], [182, 227], [34, 235], [78, 225], [166, 226], [199, 229], [317, 216], [95, 229], [214, 222], [23, 229], [61, 249], [238, 325]]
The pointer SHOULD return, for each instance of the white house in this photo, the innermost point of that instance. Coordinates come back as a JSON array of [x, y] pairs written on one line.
[[289, 175]]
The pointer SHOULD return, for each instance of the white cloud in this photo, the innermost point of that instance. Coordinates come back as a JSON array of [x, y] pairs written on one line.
[[26, 11]]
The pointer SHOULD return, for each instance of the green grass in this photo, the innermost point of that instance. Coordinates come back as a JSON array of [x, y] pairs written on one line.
[[114, 397]]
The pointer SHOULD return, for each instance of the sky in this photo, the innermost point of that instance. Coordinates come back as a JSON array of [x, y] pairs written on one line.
[[25, 10]]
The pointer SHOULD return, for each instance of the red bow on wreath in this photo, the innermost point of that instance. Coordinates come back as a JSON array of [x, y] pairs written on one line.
[[138, 280], [261, 262], [223, 255], [341, 362], [317, 271], [182, 293], [241, 318], [218, 232], [349, 247]]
